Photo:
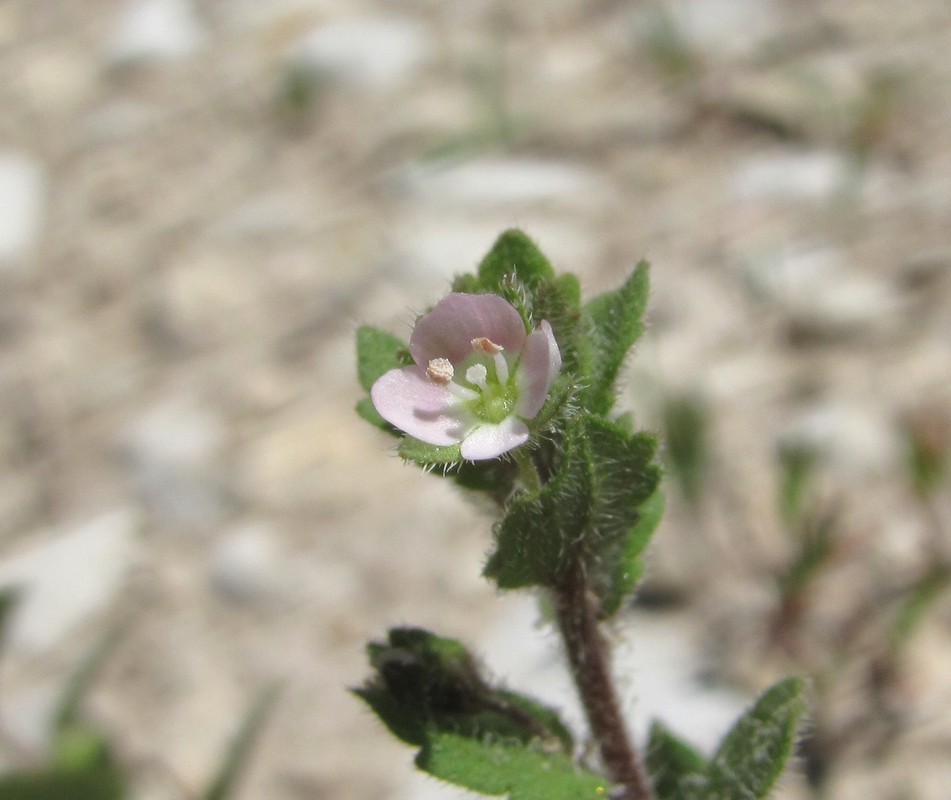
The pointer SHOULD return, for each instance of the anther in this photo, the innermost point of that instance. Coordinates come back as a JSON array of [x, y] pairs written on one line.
[[440, 371], [483, 345]]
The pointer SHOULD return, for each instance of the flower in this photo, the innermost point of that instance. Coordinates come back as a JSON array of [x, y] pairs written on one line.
[[479, 375]]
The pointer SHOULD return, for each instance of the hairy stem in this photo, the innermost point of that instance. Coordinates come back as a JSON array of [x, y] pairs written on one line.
[[589, 658]]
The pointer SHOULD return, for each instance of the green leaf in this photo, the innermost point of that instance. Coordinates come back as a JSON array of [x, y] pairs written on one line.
[[754, 752], [613, 325], [624, 478], [516, 256], [686, 434], [628, 567], [424, 685], [534, 539], [377, 353], [224, 783], [677, 771], [500, 767], [367, 411], [429, 455]]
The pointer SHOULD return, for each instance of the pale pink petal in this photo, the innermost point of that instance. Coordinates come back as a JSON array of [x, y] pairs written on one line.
[[537, 370], [407, 399], [490, 441], [448, 330]]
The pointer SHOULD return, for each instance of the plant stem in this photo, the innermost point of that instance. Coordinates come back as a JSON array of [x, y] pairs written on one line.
[[589, 658]]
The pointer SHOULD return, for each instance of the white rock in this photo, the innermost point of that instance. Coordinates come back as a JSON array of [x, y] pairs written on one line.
[[725, 28], [172, 450], [786, 176], [22, 201], [486, 183], [246, 565], [372, 53], [67, 580], [156, 30], [817, 289], [852, 439]]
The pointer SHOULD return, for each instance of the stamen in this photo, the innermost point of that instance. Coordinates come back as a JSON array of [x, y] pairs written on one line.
[[477, 374], [487, 346], [501, 368], [440, 371], [462, 392]]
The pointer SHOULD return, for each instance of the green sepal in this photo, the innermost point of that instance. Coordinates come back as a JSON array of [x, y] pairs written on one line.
[[628, 566], [426, 685], [514, 255], [377, 353], [505, 767], [677, 771], [429, 455], [614, 322], [753, 754], [535, 538]]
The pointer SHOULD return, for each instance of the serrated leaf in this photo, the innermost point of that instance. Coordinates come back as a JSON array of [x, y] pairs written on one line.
[[226, 779], [625, 477], [678, 772], [377, 353], [424, 685], [427, 455], [753, 754], [523, 772], [513, 255], [628, 567], [533, 540], [614, 323]]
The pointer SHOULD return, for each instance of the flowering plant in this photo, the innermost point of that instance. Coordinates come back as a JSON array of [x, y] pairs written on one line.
[[508, 385]]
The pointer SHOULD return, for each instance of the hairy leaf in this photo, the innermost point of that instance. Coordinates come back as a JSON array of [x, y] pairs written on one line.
[[514, 255], [499, 767], [614, 323], [378, 352]]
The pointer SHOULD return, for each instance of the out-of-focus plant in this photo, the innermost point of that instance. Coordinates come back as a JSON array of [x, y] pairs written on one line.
[[84, 763]]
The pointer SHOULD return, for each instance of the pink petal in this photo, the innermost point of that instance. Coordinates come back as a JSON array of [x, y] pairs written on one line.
[[448, 330], [537, 370], [490, 441], [407, 399]]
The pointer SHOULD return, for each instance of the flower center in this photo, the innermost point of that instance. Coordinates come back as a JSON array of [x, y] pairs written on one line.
[[487, 391]]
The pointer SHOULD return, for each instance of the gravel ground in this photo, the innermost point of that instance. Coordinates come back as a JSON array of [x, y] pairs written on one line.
[[199, 201]]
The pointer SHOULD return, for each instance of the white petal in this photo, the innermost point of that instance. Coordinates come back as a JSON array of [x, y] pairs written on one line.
[[408, 399], [490, 441], [537, 370]]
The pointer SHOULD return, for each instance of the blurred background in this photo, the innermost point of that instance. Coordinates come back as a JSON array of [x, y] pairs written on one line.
[[200, 200]]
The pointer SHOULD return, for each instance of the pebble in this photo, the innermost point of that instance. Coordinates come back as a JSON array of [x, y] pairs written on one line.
[[372, 53], [852, 439], [816, 288], [156, 30], [789, 176], [68, 579], [489, 182], [246, 565], [22, 208], [172, 450]]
